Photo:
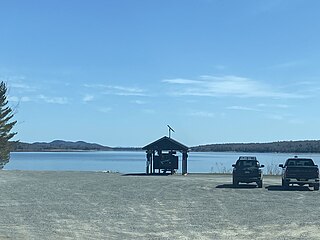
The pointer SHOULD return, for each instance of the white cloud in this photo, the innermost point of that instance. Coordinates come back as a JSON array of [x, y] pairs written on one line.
[[54, 100], [124, 91], [94, 85], [181, 81], [88, 98], [243, 108], [275, 117], [296, 121], [202, 114], [118, 90], [17, 83], [289, 64], [139, 102], [289, 118], [22, 86], [222, 86], [262, 105], [12, 78], [18, 99], [282, 106], [104, 109]]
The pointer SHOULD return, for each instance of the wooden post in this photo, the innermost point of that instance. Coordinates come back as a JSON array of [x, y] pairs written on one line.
[[184, 163], [147, 166], [149, 156], [152, 159]]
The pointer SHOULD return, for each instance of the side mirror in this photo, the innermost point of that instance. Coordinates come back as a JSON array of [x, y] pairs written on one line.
[[233, 165], [281, 165], [262, 166]]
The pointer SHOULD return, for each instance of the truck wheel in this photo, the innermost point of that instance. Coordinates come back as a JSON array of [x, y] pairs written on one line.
[[316, 187], [235, 182], [259, 183], [285, 184]]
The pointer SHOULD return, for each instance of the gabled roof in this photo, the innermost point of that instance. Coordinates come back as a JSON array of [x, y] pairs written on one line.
[[166, 143]]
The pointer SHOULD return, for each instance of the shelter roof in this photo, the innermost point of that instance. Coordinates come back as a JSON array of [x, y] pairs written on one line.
[[166, 143]]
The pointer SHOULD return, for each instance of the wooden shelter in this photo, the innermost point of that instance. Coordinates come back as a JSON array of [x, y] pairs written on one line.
[[161, 156]]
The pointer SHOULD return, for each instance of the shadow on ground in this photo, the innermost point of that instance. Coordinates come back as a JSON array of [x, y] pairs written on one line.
[[241, 186], [147, 175], [291, 188]]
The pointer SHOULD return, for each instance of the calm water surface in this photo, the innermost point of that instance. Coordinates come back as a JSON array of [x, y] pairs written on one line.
[[134, 162]]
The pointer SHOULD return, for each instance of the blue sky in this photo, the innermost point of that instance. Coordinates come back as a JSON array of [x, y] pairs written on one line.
[[116, 72]]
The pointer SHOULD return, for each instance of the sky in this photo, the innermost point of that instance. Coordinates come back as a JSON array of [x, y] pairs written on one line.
[[117, 72]]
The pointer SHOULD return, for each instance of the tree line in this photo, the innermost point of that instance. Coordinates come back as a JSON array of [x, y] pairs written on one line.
[[306, 146]]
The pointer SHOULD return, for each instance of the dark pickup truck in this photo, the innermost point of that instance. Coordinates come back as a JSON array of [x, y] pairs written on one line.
[[247, 169], [301, 171]]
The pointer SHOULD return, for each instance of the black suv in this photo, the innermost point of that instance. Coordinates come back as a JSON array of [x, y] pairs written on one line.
[[247, 170]]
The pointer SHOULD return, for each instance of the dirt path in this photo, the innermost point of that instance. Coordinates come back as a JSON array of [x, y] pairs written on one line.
[[88, 205]]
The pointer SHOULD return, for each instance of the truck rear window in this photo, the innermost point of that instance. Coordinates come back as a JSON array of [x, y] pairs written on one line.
[[300, 162], [247, 163]]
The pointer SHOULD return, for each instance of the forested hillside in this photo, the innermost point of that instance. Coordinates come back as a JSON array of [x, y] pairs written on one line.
[[57, 145], [308, 146], [281, 147]]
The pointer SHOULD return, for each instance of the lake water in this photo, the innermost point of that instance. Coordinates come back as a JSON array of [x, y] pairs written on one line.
[[135, 162]]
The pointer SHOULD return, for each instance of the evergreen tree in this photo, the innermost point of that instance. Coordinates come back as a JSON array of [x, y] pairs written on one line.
[[6, 125]]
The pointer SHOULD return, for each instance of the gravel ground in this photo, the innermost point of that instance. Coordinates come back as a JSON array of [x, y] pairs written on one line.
[[90, 205]]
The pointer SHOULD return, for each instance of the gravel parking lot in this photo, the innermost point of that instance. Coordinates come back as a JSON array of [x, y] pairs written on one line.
[[92, 205]]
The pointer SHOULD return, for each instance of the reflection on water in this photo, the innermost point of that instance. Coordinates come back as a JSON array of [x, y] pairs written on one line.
[[134, 162]]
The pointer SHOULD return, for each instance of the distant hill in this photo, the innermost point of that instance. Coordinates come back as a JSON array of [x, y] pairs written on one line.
[[307, 146], [58, 146]]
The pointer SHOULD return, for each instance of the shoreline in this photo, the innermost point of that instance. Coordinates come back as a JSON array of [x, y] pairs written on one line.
[[119, 150]]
